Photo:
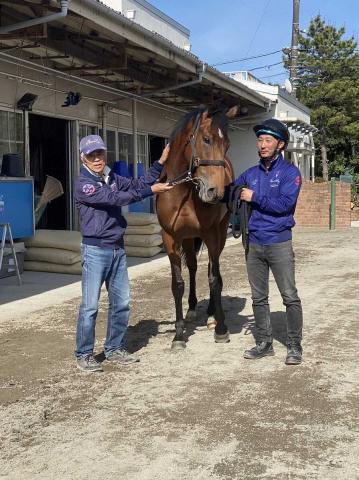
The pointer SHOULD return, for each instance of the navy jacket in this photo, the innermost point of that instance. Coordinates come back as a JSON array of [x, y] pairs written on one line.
[[99, 204], [274, 200]]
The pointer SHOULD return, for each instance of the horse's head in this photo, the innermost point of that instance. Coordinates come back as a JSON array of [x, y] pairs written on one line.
[[208, 147], [200, 142]]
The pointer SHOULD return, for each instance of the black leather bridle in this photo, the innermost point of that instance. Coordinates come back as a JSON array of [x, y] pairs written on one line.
[[196, 161]]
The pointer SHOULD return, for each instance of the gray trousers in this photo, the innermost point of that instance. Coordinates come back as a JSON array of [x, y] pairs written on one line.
[[279, 258]]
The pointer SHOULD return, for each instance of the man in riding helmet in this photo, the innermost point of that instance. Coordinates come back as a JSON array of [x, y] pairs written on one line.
[[272, 188]]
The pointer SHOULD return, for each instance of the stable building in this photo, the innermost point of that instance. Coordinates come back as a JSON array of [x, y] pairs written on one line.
[[68, 69]]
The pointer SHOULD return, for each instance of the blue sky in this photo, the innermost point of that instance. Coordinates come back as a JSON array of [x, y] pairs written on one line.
[[224, 30]]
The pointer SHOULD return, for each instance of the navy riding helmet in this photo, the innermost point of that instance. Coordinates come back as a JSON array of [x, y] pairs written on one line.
[[273, 127]]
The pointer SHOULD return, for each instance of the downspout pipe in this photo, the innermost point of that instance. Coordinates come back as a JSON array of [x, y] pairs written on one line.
[[37, 21]]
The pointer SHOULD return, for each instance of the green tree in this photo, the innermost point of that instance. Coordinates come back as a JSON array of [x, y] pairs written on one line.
[[328, 83]]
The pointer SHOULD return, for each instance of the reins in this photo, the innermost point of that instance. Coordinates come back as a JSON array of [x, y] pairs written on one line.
[[196, 161]]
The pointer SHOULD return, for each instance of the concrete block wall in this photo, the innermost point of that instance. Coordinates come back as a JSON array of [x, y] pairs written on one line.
[[313, 207]]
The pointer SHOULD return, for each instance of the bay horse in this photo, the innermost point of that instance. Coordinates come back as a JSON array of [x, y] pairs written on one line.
[[191, 212]]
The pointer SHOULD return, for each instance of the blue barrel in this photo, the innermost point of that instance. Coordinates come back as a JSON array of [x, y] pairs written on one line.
[[121, 168], [140, 169]]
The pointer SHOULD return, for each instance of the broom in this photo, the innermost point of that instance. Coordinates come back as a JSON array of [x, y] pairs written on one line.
[[52, 190]]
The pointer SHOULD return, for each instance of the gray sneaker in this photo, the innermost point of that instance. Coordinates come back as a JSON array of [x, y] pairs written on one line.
[[123, 357], [89, 364]]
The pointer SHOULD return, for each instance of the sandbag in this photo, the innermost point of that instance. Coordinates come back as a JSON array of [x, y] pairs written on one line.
[[143, 240], [52, 255], [141, 218], [63, 239], [74, 269], [142, 251], [143, 229]]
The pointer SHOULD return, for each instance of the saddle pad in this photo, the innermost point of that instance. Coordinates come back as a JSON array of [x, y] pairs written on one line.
[[143, 229], [143, 240], [142, 251], [52, 255], [74, 269], [63, 239], [141, 218]]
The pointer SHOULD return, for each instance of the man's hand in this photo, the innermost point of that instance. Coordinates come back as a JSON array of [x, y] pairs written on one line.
[[165, 154], [246, 194], [161, 187]]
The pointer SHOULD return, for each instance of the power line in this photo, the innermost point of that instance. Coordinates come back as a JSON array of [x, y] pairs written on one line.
[[265, 66], [274, 75], [244, 59]]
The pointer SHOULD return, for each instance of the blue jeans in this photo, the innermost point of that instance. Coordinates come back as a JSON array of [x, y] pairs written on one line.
[[101, 265], [279, 258]]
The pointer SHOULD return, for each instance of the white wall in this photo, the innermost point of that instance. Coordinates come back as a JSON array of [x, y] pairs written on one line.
[[153, 19], [52, 94], [242, 151]]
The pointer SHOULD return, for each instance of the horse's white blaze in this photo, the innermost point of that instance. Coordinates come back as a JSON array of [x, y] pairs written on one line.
[[220, 133]]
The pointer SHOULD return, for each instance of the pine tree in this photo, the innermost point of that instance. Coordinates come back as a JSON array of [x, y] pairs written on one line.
[[328, 83]]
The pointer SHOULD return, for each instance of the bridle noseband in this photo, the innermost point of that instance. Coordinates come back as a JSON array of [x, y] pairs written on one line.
[[196, 161]]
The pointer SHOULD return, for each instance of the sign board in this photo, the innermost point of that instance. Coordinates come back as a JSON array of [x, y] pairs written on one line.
[[17, 205]]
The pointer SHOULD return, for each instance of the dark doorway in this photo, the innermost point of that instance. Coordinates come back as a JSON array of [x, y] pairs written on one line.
[[48, 156], [156, 145]]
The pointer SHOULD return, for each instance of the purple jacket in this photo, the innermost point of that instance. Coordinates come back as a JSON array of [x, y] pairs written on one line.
[[99, 204], [274, 200]]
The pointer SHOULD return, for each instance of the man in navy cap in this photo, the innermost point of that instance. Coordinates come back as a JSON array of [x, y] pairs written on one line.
[[272, 189], [99, 196]]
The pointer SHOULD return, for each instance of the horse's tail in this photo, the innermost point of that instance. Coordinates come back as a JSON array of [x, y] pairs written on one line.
[[197, 243]]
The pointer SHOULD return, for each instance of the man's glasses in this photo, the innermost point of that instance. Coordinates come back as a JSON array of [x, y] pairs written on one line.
[[96, 154]]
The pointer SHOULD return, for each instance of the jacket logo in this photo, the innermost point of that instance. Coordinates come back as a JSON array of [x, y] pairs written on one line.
[[89, 189], [274, 182]]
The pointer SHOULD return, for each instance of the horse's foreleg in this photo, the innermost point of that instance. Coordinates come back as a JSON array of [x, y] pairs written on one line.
[[191, 261], [173, 252]]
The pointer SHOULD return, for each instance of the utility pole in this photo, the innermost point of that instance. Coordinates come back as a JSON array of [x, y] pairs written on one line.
[[294, 47]]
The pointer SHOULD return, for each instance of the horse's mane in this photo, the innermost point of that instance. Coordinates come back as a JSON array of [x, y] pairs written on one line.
[[219, 120]]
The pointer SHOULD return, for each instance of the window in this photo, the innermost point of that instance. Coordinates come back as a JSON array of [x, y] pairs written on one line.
[[111, 147], [11, 134], [120, 148], [125, 148], [85, 130]]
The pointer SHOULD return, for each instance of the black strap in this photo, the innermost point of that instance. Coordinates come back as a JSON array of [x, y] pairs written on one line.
[[243, 210]]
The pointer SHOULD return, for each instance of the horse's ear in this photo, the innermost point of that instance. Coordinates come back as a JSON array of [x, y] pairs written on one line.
[[232, 112]]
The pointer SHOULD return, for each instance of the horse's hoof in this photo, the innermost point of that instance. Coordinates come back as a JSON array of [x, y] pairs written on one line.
[[191, 316], [211, 323], [221, 338], [178, 345]]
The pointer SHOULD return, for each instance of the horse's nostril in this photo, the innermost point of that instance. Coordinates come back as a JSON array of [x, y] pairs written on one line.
[[211, 192]]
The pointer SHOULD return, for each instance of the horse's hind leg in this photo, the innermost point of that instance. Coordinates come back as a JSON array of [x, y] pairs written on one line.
[[221, 334], [191, 261], [173, 252], [211, 322]]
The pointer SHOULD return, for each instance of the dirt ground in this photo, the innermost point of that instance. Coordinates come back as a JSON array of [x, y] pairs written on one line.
[[206, 412]]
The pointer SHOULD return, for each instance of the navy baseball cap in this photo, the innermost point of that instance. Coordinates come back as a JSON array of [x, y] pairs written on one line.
[[91, 143]]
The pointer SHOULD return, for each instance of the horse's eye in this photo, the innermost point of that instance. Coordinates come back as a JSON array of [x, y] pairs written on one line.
[[207, 140]]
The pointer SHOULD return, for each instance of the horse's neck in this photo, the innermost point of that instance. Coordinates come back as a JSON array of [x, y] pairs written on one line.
[[177, 163]]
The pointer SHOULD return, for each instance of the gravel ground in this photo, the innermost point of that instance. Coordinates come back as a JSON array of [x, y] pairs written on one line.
[[206, 412]]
